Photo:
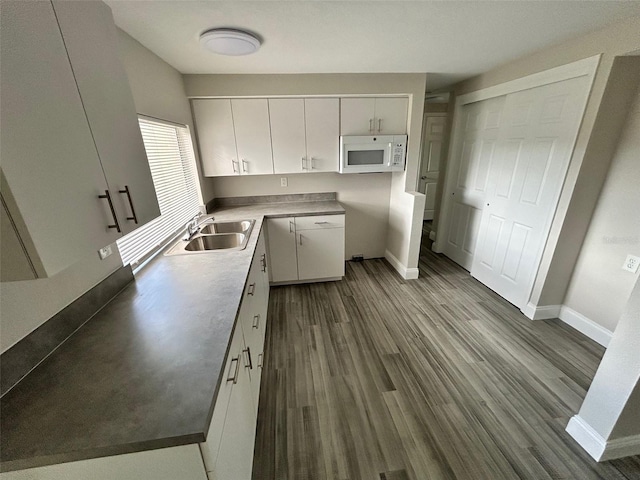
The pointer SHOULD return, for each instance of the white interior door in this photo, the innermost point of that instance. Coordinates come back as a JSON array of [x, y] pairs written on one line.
[[432, 141], [480, 124], [526, 174]]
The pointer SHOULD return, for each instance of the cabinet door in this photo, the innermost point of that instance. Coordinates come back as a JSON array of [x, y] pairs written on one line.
[[211, 447], [235, 456], [391, 115], [91, 40], [320, 253], [357, 116], [13, 258], [216, 137], [49, 159], [287, 135], [253, 136], [282, 249], [322, 123]]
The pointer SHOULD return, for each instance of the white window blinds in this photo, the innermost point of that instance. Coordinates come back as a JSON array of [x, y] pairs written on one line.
[[172, 162]]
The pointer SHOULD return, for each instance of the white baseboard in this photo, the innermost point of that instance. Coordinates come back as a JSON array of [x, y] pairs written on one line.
[[406, 273], [432, 235], [584, 325], [541, 313], [599, 448], [590, 440]]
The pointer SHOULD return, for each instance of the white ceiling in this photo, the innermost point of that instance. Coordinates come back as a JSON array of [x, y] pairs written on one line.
[[449, 39]]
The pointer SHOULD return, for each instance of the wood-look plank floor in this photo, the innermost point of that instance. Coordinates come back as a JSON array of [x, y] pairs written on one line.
[[379, 378]]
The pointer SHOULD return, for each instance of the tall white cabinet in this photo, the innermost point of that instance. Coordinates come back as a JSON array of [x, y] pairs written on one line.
[[70, 141]]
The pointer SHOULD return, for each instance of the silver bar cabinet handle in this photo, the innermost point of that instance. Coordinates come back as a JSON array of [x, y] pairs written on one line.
[[371, 124], [290, 226], [300, 239], [313, 163], [252, 289], [379, 125], [263, 262], [303, 165], [248, 350], [244, 166], [256, 321], [234, 378], [116, 225], [233, 163], [134, 217], [260, 356]]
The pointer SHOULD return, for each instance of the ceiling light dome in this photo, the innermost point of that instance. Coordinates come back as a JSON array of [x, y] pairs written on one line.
[[227, 41]]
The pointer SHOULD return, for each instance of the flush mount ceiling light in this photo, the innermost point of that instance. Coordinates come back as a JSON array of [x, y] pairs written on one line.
[[226, 41]]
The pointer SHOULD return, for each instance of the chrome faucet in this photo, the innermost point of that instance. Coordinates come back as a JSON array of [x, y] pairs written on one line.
[[192, 227]]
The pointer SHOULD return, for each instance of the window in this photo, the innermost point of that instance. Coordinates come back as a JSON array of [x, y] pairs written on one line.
[[173, 169]]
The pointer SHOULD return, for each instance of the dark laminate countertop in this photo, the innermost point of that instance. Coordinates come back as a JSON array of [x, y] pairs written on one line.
[[144, 372]]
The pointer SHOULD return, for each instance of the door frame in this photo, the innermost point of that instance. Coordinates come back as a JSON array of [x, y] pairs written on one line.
[[585, 67], [424, 127]]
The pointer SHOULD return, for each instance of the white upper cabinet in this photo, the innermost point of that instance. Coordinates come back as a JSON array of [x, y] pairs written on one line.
[[357, 116], [391, 115], [253, 135], [374, 115], [288, 134], [216, 137], [92, 45], [322, 124], [304, 134], [52, 174], [75, 176]]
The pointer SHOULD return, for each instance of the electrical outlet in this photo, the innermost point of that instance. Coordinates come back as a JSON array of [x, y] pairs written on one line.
[[104, 252], [631, 263], [283, 181]]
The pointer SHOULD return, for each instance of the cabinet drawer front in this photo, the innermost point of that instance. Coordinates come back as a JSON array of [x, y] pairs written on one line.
[[319, 222]]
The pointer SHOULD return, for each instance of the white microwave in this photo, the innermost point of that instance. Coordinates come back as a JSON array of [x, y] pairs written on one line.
[[372, 153]]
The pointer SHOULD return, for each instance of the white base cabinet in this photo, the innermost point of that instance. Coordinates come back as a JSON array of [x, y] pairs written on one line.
[[227, 453], [306, 248]]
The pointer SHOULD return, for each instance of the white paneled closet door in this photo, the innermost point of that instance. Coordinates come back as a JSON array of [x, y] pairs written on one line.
[[480, 126], [525, 176]]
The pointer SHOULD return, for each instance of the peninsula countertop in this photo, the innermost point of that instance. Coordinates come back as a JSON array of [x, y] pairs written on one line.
[[144, 372]]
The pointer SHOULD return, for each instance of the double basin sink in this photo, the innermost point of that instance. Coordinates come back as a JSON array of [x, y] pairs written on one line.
[[211, 236]]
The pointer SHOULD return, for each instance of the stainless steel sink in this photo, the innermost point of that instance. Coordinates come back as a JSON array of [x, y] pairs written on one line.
[[214, 236], [216, 242], [227, 227]]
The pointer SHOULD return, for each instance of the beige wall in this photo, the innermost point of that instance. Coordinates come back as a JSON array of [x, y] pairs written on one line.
[[613, 233], [592, 154], [365, 198], [24, 306], [157, 88], [366, 223], [610, 406]]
